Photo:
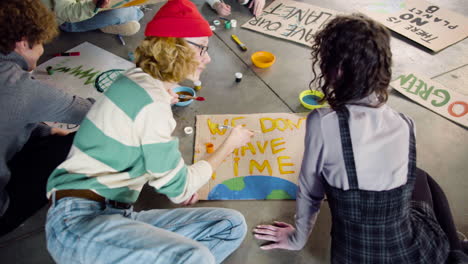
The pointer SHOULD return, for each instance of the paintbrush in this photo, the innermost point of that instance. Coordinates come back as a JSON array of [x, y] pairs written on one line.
[[229, 127], [239, 43], [188, 97]]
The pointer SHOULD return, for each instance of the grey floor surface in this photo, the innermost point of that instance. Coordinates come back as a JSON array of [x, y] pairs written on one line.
[[442, 144]]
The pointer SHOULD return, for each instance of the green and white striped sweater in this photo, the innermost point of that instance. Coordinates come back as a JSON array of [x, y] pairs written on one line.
[[125, 141]]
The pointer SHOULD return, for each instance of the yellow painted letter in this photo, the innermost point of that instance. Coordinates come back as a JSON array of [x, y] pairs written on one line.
[[273, 145], [260, 168], [262, 124], [281, 164]]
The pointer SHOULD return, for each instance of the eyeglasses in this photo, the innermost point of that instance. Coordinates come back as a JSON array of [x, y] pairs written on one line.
[[203, 49]]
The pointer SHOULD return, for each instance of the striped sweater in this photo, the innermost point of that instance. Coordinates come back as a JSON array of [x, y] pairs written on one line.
[[125, 141]]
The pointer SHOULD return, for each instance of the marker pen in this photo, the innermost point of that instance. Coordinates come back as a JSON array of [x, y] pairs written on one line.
[[67, 54]]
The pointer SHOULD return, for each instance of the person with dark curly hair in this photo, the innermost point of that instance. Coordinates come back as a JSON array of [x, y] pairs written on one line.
[[361, 153], [29, 149]]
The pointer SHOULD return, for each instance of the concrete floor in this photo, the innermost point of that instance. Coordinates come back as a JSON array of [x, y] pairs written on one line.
[[442, 145]]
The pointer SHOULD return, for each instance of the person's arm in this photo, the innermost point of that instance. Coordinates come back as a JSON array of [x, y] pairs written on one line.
[[169, 174], [309, 196], [76, 11], [221, 8], [43, 102]]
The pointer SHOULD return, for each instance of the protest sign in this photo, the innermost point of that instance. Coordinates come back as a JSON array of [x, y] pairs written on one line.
[[434, 96], [291, 20], [77, 74], [425, 23], [266, 168]]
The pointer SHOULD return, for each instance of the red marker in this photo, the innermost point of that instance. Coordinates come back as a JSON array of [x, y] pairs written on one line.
[[67, 54]]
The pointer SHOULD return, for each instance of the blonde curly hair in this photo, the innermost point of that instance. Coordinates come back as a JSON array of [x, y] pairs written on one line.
[[165, 58]]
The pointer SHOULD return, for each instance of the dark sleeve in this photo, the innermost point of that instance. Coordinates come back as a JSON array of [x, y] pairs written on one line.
[[47, 103], [310, 192], [41, 130]]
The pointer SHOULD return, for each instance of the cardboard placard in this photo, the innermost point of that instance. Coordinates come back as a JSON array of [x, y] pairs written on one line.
[[266, 168], [126, 3], [434, 96], [291, 20], [423, 22], [77, 74]]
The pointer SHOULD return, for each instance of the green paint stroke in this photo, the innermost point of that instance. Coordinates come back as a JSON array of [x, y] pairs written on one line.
[[278, 195], [235, 184], [81, 73]]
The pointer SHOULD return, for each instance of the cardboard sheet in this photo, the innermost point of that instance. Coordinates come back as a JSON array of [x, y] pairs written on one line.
[[76, 74], [266, 168], [442, 100], [291, 20], [423, 22]]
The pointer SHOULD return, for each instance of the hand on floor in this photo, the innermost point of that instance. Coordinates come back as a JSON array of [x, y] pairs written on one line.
[[222, 9], [277, 233], [257, 6]]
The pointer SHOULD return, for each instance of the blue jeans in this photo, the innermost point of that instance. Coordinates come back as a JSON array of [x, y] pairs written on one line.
[[105, 18], [85, 231]]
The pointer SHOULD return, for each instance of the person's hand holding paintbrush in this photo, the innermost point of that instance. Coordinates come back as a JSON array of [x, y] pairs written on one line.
[[101, 4]]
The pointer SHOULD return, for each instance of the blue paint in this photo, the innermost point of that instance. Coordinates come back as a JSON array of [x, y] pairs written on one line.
[[256, 187], [311, 99]]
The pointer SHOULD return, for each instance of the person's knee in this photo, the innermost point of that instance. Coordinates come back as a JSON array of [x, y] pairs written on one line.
[[124, 15], [197, 253], [239, 226]]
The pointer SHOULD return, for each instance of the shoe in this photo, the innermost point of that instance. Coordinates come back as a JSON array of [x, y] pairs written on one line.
[[127, 29]]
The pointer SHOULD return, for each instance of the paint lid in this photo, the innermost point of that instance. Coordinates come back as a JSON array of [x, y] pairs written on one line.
[[238, 75], [216, 22], [188, 130], [213, 28]]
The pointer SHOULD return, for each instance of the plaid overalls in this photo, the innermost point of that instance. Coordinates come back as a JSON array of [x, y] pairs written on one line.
[[382, 226]]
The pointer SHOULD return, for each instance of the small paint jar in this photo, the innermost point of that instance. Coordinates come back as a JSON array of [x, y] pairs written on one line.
[[233, 23], [50, 70], [197, 85], [227, 24], [188, 130], [209, 147], [216, 22], [238, 76]]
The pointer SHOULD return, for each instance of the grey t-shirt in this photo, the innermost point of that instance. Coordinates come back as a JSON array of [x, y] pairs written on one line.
[[24, 103]]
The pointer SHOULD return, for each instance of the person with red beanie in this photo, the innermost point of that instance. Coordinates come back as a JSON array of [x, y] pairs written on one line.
[[125, 142]]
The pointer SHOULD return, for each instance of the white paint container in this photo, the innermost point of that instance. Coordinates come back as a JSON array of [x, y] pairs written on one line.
[[233, 23]]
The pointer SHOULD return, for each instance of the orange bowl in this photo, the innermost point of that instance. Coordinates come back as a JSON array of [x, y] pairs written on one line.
[[263, 59]]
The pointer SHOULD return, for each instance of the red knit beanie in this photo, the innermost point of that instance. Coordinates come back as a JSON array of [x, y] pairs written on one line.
[[179, 19]]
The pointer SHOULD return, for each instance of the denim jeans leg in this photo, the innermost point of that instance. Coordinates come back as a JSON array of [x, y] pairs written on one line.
[[220, 230], [84, 231], [105, 18]]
